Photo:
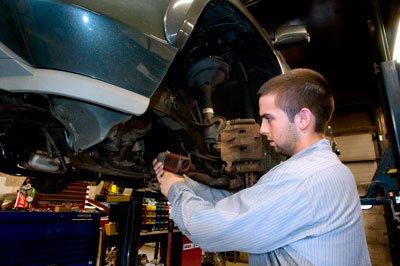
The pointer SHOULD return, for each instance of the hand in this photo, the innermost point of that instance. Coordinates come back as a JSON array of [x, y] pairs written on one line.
[[165, 178]]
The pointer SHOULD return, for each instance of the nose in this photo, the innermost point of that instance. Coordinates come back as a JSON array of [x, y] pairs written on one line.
[[264, 128]]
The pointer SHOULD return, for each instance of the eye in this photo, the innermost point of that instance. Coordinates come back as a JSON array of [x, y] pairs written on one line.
[[266, 119]]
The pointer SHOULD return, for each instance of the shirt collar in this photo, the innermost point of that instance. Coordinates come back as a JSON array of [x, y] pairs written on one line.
[[321, 144]]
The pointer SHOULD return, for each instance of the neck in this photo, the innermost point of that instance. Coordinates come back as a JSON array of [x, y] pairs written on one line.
[[307, 140]]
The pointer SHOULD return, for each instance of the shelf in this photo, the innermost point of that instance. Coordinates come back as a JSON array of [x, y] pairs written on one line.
[[157, 232], [154, 236]]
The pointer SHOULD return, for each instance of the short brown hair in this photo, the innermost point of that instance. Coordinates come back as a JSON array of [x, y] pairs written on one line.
[[299, 88]]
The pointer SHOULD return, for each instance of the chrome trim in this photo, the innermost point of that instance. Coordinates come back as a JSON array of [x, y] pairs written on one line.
[[291, 34], [180, 18], [182, 15], [282, 63]]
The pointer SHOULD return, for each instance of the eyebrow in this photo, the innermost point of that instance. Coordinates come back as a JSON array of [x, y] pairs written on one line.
[[266, 116]]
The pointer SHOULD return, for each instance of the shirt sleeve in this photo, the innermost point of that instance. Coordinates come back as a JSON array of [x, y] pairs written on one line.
[[205, 192], [259, 219]]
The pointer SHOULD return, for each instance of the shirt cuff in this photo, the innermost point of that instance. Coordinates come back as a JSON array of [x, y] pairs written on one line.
[[174, 190]]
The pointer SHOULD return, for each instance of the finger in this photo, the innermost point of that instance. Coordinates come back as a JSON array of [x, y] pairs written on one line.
[[160, 177], [159, 164], [159, 171]]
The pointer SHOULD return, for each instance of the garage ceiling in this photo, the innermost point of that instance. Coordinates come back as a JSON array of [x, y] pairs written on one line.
[[342, 46]]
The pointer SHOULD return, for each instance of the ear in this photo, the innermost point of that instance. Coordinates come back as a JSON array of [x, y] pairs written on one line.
[[304, 119]]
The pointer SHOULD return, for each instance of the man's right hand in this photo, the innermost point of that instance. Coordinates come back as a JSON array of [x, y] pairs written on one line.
[[165, 178]]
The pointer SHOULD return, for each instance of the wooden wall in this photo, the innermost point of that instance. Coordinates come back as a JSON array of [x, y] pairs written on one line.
[[359, 151]]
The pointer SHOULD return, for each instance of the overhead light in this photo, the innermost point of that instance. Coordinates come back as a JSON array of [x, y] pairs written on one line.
[[396, 50]]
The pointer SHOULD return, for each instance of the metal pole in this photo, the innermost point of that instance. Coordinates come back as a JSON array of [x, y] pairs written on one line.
[[380, 31]]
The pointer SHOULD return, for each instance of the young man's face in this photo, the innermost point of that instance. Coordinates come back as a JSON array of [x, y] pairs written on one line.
[[275, 124]]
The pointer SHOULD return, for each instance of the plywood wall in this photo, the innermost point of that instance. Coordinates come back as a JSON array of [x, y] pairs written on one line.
[[358, 152]]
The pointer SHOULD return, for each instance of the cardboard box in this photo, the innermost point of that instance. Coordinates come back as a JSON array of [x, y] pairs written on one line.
[[110, 229]]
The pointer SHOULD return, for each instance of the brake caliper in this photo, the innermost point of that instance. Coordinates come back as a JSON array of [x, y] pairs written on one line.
[[241, 148]]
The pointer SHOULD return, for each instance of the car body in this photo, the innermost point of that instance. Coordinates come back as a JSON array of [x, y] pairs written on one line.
[[99, 88]]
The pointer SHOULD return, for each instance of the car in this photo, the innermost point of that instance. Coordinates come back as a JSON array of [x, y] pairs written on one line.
[[96, 89]]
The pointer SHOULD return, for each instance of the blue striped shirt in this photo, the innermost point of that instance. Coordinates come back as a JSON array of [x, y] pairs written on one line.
[[304, 211]]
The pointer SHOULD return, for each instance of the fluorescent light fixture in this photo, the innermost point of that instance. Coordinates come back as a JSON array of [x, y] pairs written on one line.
[[396, 50]]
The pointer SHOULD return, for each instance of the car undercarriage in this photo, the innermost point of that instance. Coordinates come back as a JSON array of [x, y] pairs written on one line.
[[203, 108]]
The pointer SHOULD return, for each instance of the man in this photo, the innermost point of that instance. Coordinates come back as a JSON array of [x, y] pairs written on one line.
[[304, 211]]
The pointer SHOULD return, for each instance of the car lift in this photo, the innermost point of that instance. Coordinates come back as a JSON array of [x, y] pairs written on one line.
[[384, 187]]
